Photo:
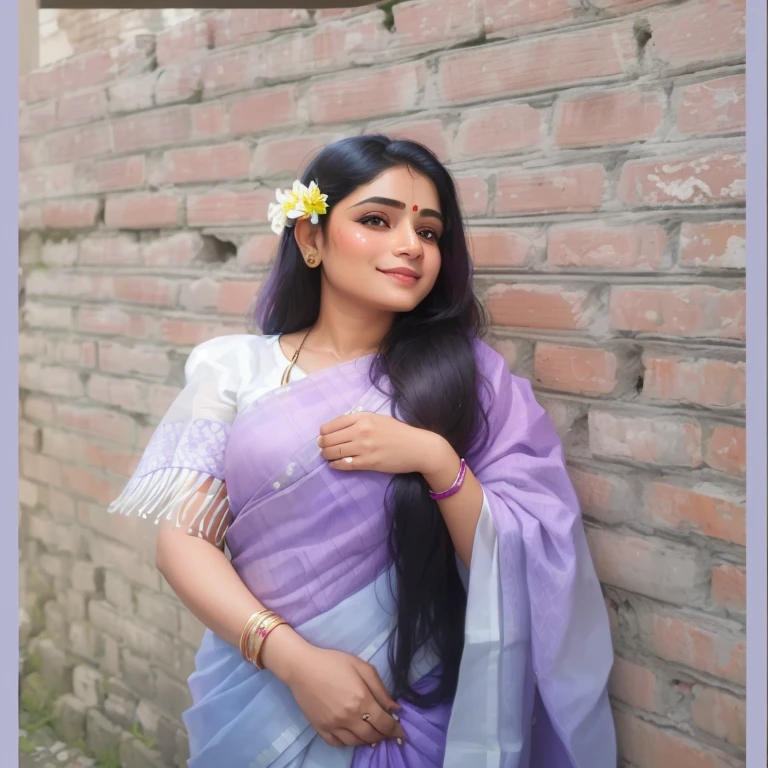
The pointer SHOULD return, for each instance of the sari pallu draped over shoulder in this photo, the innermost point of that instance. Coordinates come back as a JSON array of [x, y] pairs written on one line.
[[310, 543]]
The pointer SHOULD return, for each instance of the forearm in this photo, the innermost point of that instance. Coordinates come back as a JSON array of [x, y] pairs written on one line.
[[206, 583], [461, 511]]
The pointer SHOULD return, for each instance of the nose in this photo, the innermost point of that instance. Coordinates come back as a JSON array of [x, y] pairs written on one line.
[[408, 243]]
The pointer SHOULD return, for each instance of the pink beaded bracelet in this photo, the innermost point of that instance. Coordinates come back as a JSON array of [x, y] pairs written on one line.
[[455, 488]]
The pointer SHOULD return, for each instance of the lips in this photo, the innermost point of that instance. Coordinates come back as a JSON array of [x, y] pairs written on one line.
[[403, 275]]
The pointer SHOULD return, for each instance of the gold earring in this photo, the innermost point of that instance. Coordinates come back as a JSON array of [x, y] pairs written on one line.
[[311, 258]]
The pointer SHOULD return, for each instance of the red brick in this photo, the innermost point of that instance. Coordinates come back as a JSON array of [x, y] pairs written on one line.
[[727, 450], [616, 7], [121, 462], [54, 181], [30, 218], [37, 119], [614, 117], [605, 497], [538, 306], [634, 563], [142, 211], [63, 445], [111, 321], [263, 110], [63, 254], [120, 173], [473, 194], [646, 745], [40, 316], [257, 251], [131, 360], [237, 297], [179, 83], [153, 129], [38, 410], [133, 57], [213, 163], [720, 714], [32, 154], [513, 15], [183, 40], [29, 494], [638, 247], [85, 70], [431, 22], [79, 143], [354, 97], [71, 214], [718, 177], [56, 381], [189, 333], [127, 394], [707, 382], [574, 188], [480, 73], [729, 587], [97, 422], [232, 71], [707, 645], [714, 245], [500, 248], [498, 130], [75, 108], [178, 250], [288, 156], [430, 133], [342, 45], [81, 354], [209, 120], [227, 207], [695, 311], [87, 484], [664, 441], [239, 25], [713, 107], [575, 369], [145, 290], [199, 295], [39, 468], [132, 95], [120, 250], [41, 84], [687, 510], [635, 685], [705, 32]]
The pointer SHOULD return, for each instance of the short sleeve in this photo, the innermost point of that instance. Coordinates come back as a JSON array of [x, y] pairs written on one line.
[[180, 477]]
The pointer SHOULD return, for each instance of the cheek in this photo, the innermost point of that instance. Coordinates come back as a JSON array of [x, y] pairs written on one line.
[[350, 242]]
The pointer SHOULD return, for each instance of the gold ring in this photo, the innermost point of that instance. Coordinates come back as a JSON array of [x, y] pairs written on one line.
[[366, 717]]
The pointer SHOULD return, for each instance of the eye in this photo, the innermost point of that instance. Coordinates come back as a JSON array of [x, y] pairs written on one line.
[[430, 235], [374, 220]]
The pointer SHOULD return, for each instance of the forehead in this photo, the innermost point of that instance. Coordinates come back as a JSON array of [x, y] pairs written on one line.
[[401, 183]]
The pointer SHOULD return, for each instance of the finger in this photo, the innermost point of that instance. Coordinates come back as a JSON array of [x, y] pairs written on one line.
[[347, 463], [330, 739], [339, 452], [376, 686], [341, 422], [386, 725], [365, 731], [344, 435], [349, 739]]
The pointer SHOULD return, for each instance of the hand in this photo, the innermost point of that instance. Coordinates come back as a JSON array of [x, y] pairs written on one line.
[[380, 443], [334, 690]]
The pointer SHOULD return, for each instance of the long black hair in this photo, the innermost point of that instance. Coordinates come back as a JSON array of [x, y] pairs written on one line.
[[428, 360]]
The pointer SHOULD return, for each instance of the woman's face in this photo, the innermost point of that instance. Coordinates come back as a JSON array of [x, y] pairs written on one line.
[[380, 245]]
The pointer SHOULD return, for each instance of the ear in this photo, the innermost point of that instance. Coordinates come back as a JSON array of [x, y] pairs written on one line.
[[308, 238]]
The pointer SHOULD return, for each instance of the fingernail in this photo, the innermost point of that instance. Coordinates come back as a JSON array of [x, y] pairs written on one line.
[[395, 716], [373, 746], [399, 742]]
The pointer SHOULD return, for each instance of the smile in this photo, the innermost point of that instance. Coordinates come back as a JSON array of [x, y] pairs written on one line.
[[402, 275]]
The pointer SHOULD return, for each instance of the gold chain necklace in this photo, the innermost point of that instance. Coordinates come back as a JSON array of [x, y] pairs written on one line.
[[287, 372]]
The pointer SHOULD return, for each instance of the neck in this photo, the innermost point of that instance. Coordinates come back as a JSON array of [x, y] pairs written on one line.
[[346, 331]]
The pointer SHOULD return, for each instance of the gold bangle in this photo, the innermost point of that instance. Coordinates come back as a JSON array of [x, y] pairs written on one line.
[[252, 621], [261, 636], [253, 634]]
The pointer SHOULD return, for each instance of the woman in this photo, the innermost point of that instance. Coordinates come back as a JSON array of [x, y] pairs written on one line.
[[389, 492]]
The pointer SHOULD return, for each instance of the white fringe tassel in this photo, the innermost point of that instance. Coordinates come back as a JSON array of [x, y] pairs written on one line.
[[173, 495]]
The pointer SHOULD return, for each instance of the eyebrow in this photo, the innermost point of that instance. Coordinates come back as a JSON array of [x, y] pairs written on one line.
[[397, 204]]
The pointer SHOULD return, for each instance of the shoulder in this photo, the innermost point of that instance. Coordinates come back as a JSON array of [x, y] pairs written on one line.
[[231, 353]]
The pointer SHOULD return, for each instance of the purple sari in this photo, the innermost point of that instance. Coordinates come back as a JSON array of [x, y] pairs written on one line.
[[311, 543]]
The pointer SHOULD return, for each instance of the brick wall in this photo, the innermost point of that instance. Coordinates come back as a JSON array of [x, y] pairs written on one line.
[[599, 150]]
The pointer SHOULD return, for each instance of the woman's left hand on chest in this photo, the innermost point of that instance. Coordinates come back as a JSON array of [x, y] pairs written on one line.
[[373, 441]]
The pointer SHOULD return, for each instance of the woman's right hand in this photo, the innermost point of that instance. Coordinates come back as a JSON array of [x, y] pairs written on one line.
[[334, 690]]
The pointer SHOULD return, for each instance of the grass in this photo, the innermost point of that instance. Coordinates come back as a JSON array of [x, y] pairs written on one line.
[[108, 758], [147, 741]]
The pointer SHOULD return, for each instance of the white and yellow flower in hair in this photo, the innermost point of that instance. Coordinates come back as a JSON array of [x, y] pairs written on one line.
[[299, 202]]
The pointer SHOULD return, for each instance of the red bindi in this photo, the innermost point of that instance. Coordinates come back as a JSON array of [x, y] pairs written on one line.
[[415, 207]]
